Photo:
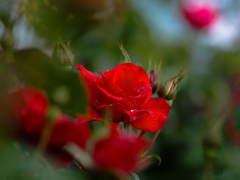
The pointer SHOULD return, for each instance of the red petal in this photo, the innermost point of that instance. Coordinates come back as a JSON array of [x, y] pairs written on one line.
[[91, 115], [127, 74], [118, 112], [151, 117], [90, 82], [141, 99], [66, 130]]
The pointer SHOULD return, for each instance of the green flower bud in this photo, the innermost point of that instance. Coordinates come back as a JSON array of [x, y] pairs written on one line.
[[168, 89], [62, 54]]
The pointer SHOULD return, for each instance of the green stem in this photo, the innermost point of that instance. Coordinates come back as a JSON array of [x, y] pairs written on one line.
[[151, 143], [209, 170], [44, 138]]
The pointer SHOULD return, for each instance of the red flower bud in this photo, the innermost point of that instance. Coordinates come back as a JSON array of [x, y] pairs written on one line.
[[153, 80], [199, 15], [29, 105]]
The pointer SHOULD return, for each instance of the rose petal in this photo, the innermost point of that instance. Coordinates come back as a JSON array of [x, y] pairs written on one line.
[[65, 130], [150, 117], [90, 82], [91, 115], [118, 112], [142, 98]]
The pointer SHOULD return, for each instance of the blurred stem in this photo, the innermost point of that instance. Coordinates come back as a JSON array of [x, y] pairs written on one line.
[[209, 169], [212, 141], [81, 167], [45, 137], [151, 143]]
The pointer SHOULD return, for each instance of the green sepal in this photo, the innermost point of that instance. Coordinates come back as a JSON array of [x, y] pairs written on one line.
[[125, 54]]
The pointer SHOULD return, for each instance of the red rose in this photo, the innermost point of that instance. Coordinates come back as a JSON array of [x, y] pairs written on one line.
[[119, 154], [125, 89], [29, 105], [199, 15]]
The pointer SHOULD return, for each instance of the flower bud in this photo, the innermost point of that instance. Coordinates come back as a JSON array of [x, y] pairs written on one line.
[[153, 80], [168, 90], [199, 14], [7, 41], [62, 54]]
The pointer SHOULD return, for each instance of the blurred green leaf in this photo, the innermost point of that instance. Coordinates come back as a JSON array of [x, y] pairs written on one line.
[[20, 162], [39, 71], [229, 175]]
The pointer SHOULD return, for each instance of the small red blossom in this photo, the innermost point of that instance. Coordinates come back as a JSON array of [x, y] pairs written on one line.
[[29, 105], [125, 89], [199, 15], [153, 80], [119, 153]]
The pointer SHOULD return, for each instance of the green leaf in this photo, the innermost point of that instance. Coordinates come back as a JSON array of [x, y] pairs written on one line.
[[233, 174], [38, 70]]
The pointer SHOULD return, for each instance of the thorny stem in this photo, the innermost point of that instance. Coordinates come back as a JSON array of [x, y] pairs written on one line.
[[151, 143]]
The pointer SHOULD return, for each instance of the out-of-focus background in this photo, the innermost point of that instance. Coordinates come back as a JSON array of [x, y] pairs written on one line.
[[200, 139]]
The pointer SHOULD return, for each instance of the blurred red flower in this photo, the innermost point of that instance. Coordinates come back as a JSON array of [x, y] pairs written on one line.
[[120, 153], [199, 14], [30, 107], [65, 130], [127, 91]]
